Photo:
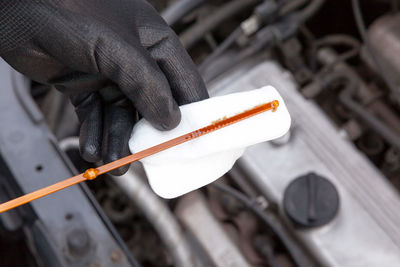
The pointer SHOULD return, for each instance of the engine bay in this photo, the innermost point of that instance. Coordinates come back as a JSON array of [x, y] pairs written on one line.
[[325, 194]]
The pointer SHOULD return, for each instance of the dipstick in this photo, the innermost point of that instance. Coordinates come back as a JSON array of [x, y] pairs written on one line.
[[93, 173]]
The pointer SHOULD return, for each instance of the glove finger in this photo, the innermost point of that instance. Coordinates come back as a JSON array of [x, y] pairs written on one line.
[[89, 109], [119, 118], [121, 59], [185, 81], [74, 83], [140, 79]]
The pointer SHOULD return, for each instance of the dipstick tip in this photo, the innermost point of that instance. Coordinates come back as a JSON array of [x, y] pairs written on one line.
[[275, 105]]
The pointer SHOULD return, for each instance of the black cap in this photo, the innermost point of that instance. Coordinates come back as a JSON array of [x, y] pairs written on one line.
[[311, 201]]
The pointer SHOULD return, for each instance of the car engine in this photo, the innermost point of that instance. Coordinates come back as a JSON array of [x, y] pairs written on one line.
[[325, 194]]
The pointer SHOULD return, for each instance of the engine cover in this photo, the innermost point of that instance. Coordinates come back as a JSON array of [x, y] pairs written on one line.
[[365, 231]]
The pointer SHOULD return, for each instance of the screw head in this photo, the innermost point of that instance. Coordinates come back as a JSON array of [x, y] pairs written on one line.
[[78, 242]]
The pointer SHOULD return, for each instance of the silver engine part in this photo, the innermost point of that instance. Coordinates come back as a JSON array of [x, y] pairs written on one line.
[[195, 214], [384, 38], [365, 231]]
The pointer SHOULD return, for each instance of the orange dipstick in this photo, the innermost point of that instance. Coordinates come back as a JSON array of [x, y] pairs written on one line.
[[92, 173]]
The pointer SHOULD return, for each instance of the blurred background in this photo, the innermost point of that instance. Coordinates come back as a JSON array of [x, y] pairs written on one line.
[[325, 194]]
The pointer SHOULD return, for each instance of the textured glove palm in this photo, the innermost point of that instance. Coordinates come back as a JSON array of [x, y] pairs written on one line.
[[112, 58]]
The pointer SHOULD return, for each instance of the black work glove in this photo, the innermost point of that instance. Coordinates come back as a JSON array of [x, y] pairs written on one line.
[[113, 58]]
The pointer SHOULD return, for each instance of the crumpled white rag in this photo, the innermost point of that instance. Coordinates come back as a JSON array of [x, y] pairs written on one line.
[[196, 163]]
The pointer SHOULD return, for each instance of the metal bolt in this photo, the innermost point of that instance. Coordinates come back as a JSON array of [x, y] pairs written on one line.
[[78, 242]]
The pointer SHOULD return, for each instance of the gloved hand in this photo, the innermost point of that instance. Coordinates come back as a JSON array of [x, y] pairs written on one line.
[[112, 58]]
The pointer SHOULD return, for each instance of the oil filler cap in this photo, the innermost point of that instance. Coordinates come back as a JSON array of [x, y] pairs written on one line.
[[311, 201]]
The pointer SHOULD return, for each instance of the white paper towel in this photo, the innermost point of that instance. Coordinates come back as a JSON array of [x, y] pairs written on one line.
[[196, 163]]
